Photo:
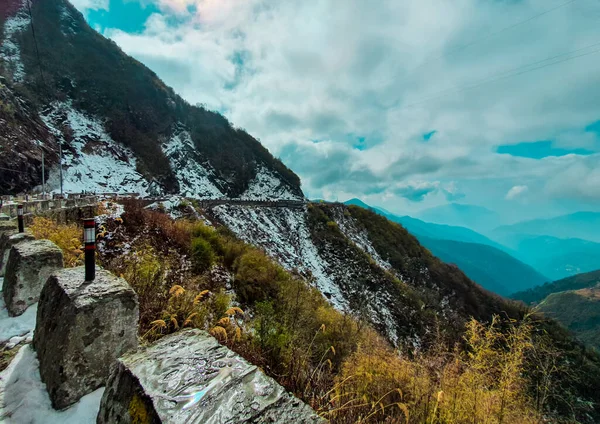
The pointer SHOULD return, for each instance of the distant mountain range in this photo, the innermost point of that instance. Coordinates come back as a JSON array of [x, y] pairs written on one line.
[[462, 215], [483, 260], [581, 225]]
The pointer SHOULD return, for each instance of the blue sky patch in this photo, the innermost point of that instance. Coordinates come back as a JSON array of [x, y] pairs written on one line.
[[427, 136], [538, 150], [128, 16]]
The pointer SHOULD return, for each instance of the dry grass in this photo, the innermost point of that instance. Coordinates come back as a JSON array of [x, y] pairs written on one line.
[[69, 237]]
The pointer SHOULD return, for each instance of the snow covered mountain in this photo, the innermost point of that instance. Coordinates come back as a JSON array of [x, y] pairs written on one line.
[[119, 127]]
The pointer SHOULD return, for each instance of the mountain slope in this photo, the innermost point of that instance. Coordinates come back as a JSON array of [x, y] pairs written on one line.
[[481, 259], [109, 111], [536, 294], [581, 225]]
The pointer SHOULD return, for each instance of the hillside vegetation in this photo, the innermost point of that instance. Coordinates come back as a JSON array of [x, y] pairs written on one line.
[[536, 294], [188, 274]]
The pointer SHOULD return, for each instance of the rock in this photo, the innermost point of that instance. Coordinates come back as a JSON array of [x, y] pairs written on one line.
[[188, 377], [29, 265], [8, 226], [82, 328], [4, 217], [8, 240]]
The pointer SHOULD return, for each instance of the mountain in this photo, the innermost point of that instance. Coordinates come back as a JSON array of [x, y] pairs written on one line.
[[119, 126], [462, 215], [536, 295], [573, 301], [580, 225], [555, 257], [490, 267], [483, 260]]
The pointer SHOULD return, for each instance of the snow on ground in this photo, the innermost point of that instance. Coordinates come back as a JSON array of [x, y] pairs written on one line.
[[94, 162], [10, 52], [359, 236], [266, 186], [24, 399], [284, 234], [195, 179]]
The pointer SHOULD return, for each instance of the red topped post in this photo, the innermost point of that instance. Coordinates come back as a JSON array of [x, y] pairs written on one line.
[[20, 218], [89, 239]]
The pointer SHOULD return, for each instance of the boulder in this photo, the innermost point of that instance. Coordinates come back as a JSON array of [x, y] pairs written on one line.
[[8, 226], [29, 265], [82, 328], [4, 217], [8, 240], [188, 377]]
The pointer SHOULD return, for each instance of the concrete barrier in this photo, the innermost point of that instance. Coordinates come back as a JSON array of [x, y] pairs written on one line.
[[29, 265], [7, 241], [82, 328], [188, 377]]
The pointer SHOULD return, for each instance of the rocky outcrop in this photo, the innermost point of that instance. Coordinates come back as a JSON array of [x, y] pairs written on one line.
[[188, 377], [82, 328], [29, 265], [8, 240]]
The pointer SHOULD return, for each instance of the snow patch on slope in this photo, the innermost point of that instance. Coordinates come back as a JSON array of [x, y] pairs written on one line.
[[10, 52], [267, 186], [194, 178], [349, 226], [93, 161], [284, 234]]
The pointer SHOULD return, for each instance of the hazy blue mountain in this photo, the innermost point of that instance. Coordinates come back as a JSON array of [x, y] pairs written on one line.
[[555, 257], [581, 225], [458, 214], [577, 282]]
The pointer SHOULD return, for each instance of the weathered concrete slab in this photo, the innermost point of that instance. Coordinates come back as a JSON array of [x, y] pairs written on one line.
[[82, 328], [8, 240], [8, 226], [188, 377], [4, 217], [29, 265]]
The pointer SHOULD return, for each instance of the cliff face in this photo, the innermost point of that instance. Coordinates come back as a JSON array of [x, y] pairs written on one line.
[[119, 126]]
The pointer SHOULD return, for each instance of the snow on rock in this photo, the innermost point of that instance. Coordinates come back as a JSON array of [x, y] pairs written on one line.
[[93, 161], [284, 234], [24, 399], [10, 52], [267, 186], [195, 177]]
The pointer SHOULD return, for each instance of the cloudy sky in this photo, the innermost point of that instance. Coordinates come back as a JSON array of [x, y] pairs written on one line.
[[407, 104]]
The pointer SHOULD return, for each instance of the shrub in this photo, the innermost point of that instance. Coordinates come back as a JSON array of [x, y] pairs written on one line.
[[256, 277], [203, 255], [69, 237]]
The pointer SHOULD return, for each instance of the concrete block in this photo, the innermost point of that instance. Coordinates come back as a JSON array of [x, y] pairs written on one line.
[[8, 240], [188, 377], [82, 328], [8, 226], [4, 217], [29, 265]]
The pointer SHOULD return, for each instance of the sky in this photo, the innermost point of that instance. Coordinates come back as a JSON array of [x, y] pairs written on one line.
[[405, 104]]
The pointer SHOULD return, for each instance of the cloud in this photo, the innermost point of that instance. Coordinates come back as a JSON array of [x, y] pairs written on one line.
[[516, 191], [294, 72]]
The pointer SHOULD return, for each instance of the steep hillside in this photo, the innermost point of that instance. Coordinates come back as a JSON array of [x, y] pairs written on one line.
[[119, 126], [367, 265], [582, 225], [578, 310], [484, 261], [537, 294]]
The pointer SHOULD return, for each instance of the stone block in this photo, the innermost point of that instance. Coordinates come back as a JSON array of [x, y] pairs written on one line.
[[188, 377], [8, 240], [29, 265], [82, 328], [8, 226], [4, 217]]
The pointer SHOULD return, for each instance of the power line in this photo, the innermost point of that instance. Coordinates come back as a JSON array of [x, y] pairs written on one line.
[[13, 170], [492, 34], [509, 74], [37, 51]]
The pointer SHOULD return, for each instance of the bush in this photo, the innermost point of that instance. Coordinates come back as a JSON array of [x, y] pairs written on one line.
[[203, 256], [256, 277], [69, 237]]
